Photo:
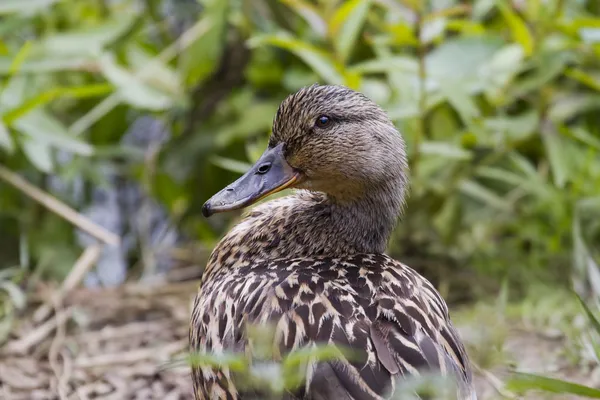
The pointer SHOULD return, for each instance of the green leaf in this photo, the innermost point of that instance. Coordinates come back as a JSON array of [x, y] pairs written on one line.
[[26, 7], [460, 101], [156, 72], [89, 41], [387, 64], [77, 92], [6, 141], [256, 118], [465, 26], [400, 34], [461, 58], [530, 182], [38, 153], [589, 204], [501, 69], [518, 28], [376, 89], [555, 151], [446, 150], [433, 29], [583, 77], [522, 382], [13, 93], [483, 194], [519, 127], [590, 35], [591, 317], [131, 89], [572, 105], [20, 57], [581, 134], [232, 361], [546, 67], [310, 14], [47, 65], [525, 165], [203, 54], [45, 130], [346, 24], [481, 8], [317, 59], [230, 164], [580, 255], [15, 294], [501, 175]]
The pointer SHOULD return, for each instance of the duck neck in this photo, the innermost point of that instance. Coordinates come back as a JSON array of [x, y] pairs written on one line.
[[365, 224], [310, 224]]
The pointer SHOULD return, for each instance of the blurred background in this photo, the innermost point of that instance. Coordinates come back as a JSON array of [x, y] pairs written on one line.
[[119, 118]]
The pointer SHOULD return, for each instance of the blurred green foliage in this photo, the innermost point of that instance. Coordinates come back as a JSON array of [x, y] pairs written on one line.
[[499, 102]]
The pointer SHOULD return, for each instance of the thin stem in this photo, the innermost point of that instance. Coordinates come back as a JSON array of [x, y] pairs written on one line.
[[422, 123], [58, 207]]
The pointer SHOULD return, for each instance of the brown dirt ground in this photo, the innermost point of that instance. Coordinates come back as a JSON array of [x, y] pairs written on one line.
[[115, 344]]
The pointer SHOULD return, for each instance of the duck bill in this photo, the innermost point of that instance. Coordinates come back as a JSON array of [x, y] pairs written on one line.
[[269, 175]]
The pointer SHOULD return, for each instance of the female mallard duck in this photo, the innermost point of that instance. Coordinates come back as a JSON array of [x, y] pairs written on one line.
[[312, 263]]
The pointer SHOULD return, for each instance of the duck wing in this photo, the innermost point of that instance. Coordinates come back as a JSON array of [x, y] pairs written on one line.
[[392, 318]]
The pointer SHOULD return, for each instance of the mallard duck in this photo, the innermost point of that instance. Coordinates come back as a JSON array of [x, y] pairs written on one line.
[[313, 263]]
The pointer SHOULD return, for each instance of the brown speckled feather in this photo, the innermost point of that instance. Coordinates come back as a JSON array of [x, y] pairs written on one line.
[[368, 302]]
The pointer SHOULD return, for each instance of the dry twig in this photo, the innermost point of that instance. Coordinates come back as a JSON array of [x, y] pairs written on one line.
[[495, 382], [61, 372], [132, 356], [24, 344], [88, 258], [58, 207]]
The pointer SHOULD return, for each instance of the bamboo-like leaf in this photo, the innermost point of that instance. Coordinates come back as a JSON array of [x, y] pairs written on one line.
[[6, 325], [15, 294], [132, 89], [317, 59], [77, 92], [522, 382], [26, 7], [6, 141], [86, 41], [446, 150], [46, 65], [48, 131], [387, 64], [38, 153], [502, 175], [583, 135], [346, 24], [483, 194], [591, 317], [20, 57], [231, 164], [518, 28], [583, 77], [556, 154], [234, 362], [311, 15], [460, 101]]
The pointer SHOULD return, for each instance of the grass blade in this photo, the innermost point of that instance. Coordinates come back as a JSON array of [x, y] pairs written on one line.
[[522, 382]]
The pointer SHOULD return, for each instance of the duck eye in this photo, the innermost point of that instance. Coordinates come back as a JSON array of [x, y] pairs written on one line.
[[323, 121]]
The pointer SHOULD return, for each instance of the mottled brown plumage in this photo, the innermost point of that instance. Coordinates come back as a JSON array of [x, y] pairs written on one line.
[[312, 263]]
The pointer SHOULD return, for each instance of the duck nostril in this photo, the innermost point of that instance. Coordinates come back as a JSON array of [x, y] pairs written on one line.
[[264, 168], [229, 189]]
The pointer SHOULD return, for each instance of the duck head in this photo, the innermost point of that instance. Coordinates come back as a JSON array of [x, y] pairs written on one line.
[[327, 139]]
